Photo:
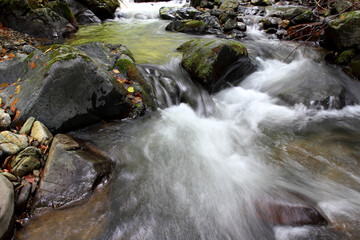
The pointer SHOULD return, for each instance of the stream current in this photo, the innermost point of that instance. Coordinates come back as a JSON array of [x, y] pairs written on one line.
[[200, 169]]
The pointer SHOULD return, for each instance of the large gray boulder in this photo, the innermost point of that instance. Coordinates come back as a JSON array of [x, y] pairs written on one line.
[[71, 173], [70, 87], [207, 61], [46, 20], [6, 208]]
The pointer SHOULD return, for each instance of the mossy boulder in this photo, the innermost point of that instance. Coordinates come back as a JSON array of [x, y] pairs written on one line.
[[207, 61], [70, 87], [342, 32], [51, 20], [187, 26], [229, 5], [103, 9]]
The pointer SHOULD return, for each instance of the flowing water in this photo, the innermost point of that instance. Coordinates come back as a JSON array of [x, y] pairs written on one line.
[[200, 167]]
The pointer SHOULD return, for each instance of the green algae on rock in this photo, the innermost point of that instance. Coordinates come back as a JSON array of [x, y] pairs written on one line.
[[207, 60]]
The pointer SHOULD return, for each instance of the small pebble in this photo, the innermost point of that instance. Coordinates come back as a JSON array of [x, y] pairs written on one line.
[[36, 173]]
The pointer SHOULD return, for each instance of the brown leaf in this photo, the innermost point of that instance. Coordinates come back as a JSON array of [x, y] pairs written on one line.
[[17, 114], [11, 55], [14, 102], [11, 96], [32, 65], [4, 85]]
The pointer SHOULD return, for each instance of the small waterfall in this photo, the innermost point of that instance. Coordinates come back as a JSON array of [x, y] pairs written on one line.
[[143, 11]]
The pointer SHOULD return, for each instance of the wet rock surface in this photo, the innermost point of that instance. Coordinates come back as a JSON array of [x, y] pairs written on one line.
[[62, 106], [6, 208], [208, 60], [71, 173]]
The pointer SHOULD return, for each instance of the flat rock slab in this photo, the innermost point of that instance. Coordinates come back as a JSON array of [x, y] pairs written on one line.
[[6, 208], [70, 174]]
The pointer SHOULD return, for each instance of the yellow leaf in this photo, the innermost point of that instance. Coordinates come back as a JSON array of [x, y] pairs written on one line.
[[48, 50], [116, 71], [130, 89], [0, 100], [17, 89]]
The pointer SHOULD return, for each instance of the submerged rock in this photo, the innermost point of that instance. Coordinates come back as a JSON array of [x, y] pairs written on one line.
[[6, 208], [71, 173], [208, 60], [296, 213]]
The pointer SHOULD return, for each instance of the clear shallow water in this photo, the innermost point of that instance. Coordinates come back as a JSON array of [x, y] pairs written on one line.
[[201, 171]]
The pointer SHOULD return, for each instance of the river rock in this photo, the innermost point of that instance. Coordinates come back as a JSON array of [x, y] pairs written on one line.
[[23, 197], [179, 13], [245, 10], [12, 143], [87, 17], [187, 26], [40, 132], [26, 128], [289, 213], [9, 176], [207, 60], [6, 208], [305, 17], [41, 19], [71, 173], [342, 5], [5, 120], [50, 94], [230, 24], [229, 5], [26, 161], [260, 2], [103, 9], [343, 31]]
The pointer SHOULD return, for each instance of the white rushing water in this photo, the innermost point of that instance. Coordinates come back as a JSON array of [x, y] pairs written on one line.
[[203, 170]]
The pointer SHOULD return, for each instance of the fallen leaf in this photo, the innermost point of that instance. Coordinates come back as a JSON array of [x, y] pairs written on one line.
[[116, 71], [32, 64], [4, 85], [11, 55], [17, 114], [13, 109], [36, 57], [30, 178], [18, 89], [11, 96], [19, 79], [0, 100], [14, 102], [48, 50], [130, 89]]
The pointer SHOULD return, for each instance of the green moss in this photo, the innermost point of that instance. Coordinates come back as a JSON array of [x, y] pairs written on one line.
[[123, 65], [345, 57], [30, 56], [64, 53], [63, 9]]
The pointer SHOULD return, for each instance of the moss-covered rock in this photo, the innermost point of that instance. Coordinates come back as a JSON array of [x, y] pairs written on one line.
[[208, 60], [52, 20], [345, 57], [70, 87], [103, 9], [188, 26], [343, 31], [180, 13], [229, 5]]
